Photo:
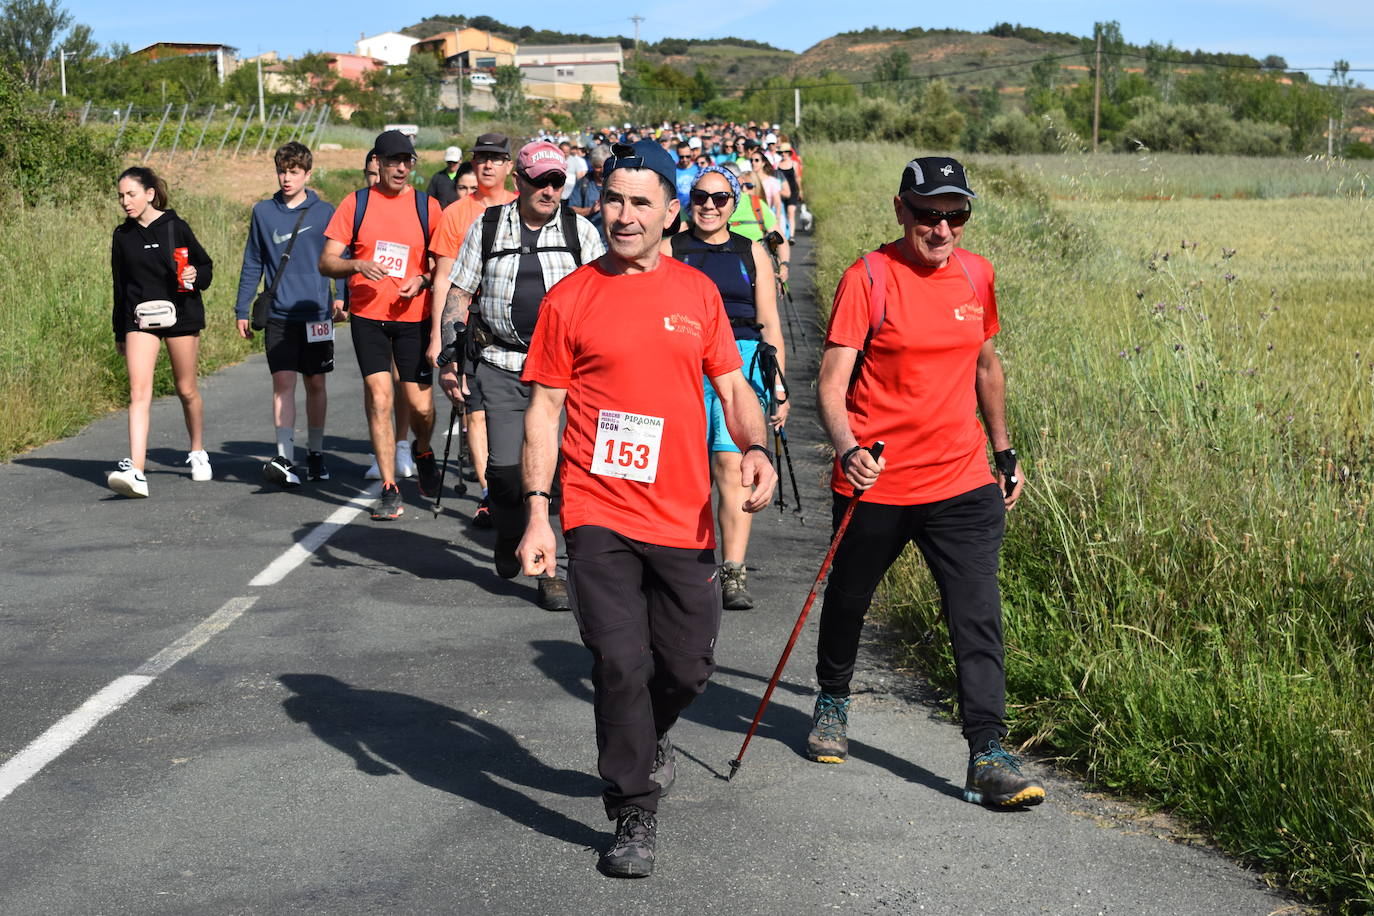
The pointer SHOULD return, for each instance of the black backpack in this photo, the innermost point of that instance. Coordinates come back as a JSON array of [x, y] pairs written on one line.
[[685, 245], [360, 198], [491, 219]]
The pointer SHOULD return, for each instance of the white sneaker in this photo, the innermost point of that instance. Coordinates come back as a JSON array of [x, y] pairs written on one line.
[[372, 472], [405, 463], [200, 466], [128, 482]]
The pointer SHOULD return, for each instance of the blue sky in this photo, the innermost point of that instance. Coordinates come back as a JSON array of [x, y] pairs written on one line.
[[1315, 32]]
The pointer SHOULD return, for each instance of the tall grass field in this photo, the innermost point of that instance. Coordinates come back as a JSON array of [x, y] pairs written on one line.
[[1188, 583], [58, 364]]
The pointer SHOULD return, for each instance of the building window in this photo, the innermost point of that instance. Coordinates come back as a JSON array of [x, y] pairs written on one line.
[[561, 72], [486, 63]]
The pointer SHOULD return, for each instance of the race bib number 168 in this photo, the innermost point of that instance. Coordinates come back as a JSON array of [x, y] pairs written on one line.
[[627, 446]]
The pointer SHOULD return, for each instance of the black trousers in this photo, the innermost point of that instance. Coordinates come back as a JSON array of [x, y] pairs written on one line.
[[650, 616], [960, 538]]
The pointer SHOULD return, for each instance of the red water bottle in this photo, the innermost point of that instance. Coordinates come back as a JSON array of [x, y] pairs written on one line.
[[182, 257]]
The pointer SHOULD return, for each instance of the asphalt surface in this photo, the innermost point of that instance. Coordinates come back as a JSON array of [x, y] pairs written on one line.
[[392, 728]]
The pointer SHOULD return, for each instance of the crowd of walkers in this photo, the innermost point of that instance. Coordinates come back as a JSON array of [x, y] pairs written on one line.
[[610, 330]]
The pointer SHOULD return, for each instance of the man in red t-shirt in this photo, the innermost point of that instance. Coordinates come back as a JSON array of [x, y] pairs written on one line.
[[389, 277], [922, 312], [623, 343]]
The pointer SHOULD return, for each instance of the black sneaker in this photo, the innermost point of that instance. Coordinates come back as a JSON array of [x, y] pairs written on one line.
[[632, 853], [388, 506], [280, 472], [315, 469], [553, 594], [665, 766], [427, 470], [482, 517], [508, 565], [734, 594], [829, 738], [995, 780]]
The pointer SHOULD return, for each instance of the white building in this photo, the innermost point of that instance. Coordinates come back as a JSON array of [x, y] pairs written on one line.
[[392, 47]]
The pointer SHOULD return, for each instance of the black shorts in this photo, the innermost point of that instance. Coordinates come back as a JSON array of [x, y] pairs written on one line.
[[378, 343], [288, 350], [475, 401]]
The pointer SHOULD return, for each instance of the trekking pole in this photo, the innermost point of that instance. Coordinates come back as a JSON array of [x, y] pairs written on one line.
[[796, 494], [443, 468], [781, 501], [876, 451]]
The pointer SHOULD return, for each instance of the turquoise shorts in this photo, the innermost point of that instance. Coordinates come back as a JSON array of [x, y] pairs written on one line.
[[717, 436]]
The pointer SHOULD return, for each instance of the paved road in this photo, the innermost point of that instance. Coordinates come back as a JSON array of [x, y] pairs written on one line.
[[389, 727]]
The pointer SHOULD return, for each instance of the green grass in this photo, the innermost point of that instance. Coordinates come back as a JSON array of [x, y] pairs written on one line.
[[58, 365], [1187, 583]]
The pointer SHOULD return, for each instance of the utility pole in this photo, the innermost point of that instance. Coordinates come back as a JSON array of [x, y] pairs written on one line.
[[262, 112], [462, 86], [636, 20], [1097, 89], [62, 56], [796, 108]]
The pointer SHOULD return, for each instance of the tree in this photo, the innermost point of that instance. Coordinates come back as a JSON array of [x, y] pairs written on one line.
[[939, 121], [421, 90], [509, 91], [28, 31], [1274, 63], [585, 109], [1112, 47], [1342, 87], [892, 77]]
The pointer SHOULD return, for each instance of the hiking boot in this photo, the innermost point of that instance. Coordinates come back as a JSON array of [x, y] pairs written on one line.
[[829, 738], [405, 461], [126, 481], [665, 766], [995, 780], [632, 853], [553, 594], [734, 595], [280, 472], [315, 468], [388, 506], [200, 466], [428, 472], [482, 517], [372, 472]]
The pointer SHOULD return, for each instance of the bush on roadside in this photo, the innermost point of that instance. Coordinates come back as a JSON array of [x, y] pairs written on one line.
[[1205, 128], [47, 158]]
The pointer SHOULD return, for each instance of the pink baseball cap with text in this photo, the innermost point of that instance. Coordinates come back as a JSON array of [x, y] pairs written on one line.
[[539, 158]]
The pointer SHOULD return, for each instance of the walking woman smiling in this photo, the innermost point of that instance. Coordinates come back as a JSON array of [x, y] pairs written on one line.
[[159, 270]]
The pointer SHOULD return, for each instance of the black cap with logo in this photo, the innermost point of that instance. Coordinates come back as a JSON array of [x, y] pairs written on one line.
[[930, 175]]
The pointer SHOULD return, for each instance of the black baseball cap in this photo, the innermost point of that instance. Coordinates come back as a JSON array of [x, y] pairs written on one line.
[[393, 143], [930, 175], [492, 143]]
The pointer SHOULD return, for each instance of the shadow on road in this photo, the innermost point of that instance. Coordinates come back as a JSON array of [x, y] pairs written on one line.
[[730, 710], [387, 733], [91, 470]]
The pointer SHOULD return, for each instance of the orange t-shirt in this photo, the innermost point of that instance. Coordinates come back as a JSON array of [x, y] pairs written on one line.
[[635, 343], [458, 218], [916, 391], [392, 224]]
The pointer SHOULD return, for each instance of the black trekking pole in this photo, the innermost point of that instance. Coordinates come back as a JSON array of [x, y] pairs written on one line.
[[781, 501], [443, 468], [876, 451], [796, 494]]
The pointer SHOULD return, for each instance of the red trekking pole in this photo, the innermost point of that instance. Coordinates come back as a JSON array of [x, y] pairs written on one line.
[[876, 451]]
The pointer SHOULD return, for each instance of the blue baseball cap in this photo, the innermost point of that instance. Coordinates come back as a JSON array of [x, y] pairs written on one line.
[[642, 154]]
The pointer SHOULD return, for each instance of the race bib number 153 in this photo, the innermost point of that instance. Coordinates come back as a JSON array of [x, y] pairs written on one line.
[[627, 446]]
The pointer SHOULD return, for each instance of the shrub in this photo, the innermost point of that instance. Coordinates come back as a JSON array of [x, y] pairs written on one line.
[[47, 158]]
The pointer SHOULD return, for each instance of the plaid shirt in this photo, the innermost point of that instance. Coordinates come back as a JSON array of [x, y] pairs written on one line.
[[496, 279]]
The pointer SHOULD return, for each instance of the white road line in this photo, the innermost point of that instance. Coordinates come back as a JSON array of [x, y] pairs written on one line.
[[70, 729], [301, 551]]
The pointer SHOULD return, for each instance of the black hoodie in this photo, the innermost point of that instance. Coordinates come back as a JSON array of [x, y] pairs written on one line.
[[141, 261]]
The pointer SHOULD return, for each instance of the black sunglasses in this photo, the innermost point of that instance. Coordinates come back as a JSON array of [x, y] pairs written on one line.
[[547, 180], [719, 198], [927, 216]]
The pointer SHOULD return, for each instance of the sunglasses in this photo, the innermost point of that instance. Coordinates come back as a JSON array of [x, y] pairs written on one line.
[[719, 198], [927, 216], [547, 180]]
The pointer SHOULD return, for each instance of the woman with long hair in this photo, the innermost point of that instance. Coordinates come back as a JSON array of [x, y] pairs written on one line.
[[159, 271], [743, 273]]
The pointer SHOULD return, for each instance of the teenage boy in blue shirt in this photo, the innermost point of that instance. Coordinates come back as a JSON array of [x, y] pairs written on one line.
[[299, 336]]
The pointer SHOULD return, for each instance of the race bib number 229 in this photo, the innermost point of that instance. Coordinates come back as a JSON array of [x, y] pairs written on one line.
[[627, 446]]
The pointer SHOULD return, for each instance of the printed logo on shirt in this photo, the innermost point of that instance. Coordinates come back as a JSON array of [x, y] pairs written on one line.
[[279, 239], [969, 311], [683, 323]]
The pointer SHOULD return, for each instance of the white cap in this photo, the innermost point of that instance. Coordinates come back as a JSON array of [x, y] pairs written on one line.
[[694, 142], [770, 139], [453, 154]]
